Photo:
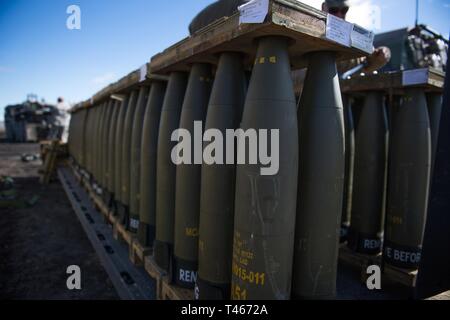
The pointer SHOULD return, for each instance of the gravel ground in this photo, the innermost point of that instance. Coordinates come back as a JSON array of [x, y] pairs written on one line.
[[38, 243]]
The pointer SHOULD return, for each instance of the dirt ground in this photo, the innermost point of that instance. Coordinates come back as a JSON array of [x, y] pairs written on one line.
[[39, 242]]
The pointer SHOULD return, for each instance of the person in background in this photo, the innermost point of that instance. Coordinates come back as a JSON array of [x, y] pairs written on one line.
[[63, 119], [374, 62], [377, 60]]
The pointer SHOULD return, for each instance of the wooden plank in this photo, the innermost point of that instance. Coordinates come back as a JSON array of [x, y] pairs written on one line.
[[121, 233], [403, 276], [391, 80], [442, 296], [77, 175], [304, 25], [100, 206], [80, 105], [359, 260], [172, 292], [126, 84], [156, 273], [138, 253]]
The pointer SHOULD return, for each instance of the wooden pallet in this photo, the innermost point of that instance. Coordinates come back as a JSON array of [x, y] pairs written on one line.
[[101, 206], [442, 296], [52, 153], [433, 81], [156, 273], [87, 186], [138, 252], [303, 24], [403, 276], [358, 260], [112, 218], [172, 292], [77, 175], [120, 233]]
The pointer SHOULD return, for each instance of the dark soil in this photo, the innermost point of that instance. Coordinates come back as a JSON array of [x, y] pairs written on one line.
[[39, 242]]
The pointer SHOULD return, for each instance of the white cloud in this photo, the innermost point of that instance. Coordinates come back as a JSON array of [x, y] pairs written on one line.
[[366, 14], [314, 3], [104, 79], [362, 12]]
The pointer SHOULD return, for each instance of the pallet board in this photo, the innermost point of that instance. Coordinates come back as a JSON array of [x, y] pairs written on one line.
[[429, 79], [403, 276], [358, 260], [156, 273], [77, 175], [135, 79], [172, 292], [138, 252], [304, 25], [121, 233], [394, 274], [100, 205]]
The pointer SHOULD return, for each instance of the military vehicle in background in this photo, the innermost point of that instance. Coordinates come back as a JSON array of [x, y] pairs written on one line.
[[31, 121], [414, 48]]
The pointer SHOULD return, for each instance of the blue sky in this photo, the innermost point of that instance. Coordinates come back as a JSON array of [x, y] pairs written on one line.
[[38, 54]]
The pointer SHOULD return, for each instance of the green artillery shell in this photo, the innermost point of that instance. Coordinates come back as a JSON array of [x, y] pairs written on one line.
[[371, 152], [265, 204], [118, 151], [349, 167], [147, 211], [218, 184], [409, 179], [135, 161], [188, 179], [166, 170], [434, 103], [123, 209], [321, 181], [112, 147], [98, 143], [105, 162]]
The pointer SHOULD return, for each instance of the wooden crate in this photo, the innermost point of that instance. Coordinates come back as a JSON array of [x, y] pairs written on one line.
[[156, 273], [138, 252], [172, 292], [403, 276]]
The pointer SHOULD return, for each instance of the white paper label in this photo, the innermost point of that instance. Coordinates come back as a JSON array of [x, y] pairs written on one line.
[[254, 11], [362, 39], [339, 30], [417, 76], [143, 73]]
